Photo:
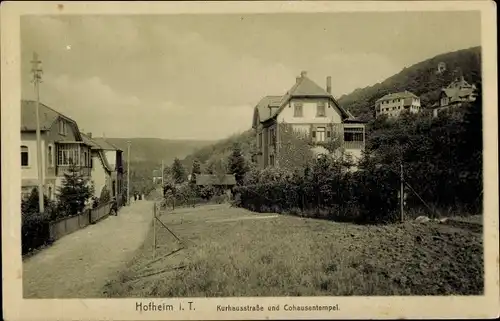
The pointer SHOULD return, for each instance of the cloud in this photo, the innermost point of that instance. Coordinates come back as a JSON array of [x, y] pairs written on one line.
[[199, 76]]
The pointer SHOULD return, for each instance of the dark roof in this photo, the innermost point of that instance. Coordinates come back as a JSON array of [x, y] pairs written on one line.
[[47, 116], [458, 90], [104, 144], [89, 141], [228, 179], [262, 110], [399, 95], [303, 88]]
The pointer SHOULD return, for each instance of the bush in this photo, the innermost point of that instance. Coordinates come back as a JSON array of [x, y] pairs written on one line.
[[34, 231], [324, 191], [35, 226]]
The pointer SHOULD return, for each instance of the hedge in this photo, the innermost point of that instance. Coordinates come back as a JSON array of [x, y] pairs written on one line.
[[362, 196]]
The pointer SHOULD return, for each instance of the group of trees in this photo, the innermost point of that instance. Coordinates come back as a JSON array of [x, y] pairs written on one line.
[[179, 189], [442, 167], [235, 163], [72, 197]]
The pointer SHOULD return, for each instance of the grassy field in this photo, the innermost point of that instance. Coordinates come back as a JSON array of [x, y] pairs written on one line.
[[233, 252]]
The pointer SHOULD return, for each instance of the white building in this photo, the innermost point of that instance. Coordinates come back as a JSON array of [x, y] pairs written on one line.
[[394, 104]]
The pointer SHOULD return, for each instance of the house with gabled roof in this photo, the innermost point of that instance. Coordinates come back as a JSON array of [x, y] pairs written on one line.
[[107, 169], [393, 104], [61, 145], [310, 109], [454, 95]]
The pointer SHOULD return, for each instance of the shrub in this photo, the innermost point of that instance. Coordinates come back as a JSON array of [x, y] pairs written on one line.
[[35, 226], [325, 191]]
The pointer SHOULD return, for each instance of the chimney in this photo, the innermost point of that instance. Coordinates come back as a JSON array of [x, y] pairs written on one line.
[[329, 84], [90, 135], [303, 74]]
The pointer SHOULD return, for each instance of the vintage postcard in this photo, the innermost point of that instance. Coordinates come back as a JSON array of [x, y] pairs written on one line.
[[249, 160]]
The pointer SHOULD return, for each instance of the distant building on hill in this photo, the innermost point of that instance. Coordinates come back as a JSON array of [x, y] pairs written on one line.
[[457, 92], [393, 104], [441, 67]]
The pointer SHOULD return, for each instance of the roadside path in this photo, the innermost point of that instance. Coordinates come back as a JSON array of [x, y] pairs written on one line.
[[79, 264]]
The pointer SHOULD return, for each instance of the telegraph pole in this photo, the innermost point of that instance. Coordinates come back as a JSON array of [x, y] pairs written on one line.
[[37, 79], [401, 193], [162, 169], [128, 171]]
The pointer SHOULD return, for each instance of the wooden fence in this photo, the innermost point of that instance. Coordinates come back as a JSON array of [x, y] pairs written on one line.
[[68, 225]]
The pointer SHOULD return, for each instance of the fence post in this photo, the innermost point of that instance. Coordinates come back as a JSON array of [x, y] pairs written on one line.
[[401, 194], [154, 230]]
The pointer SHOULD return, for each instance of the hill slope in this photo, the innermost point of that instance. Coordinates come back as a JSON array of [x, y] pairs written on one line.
[[154, 150], [222, 149], [421, 79]]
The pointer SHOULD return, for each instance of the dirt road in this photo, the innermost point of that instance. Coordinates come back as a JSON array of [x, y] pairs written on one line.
[[79, 265]]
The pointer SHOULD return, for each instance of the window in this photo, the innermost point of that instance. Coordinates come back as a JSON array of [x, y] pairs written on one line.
[[62, 127], [50, 155], [67, 156], [320, 134], [24, 156], [259, 140], [297, 112], [353, 137], [271, 160], [320, 111]]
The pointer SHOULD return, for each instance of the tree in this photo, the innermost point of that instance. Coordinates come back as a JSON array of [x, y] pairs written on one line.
[[195, 170], [75, 191], [178, 171], [237, 164], [30, 205]]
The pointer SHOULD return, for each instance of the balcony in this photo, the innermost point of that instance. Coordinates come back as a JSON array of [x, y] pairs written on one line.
[[77, 154]]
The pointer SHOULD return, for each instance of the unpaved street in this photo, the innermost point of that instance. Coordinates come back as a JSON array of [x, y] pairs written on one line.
[[78, 265]]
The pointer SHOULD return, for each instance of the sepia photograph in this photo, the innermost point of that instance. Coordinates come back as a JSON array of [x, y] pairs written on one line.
[[305, 155]]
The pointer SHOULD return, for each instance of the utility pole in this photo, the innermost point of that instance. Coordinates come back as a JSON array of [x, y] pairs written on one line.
[[162, 169], [401, 193], [37, 79], [128, 171]]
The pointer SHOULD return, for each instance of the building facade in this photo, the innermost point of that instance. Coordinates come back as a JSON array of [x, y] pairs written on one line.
[[61, 146], [311, 110], [454, 95], [392, 105], [113, 156]]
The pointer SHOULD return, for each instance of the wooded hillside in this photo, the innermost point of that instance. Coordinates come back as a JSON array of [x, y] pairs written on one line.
[[421, 79]]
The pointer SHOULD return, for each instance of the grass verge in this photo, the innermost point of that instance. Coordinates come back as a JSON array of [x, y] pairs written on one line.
[[233, 252]]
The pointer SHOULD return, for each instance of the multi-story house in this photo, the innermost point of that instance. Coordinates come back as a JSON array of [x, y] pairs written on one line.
[[394, 104], [458, 92], [114, 158], [61, 145], [308, 109], [101, 169]]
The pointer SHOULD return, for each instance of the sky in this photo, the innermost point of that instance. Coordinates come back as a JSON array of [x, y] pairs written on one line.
[[200, 76]]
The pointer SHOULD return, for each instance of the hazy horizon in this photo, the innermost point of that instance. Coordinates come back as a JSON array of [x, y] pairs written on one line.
[[198, 77]]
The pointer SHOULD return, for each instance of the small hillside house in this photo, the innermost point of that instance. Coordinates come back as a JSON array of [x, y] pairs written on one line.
[[457, 92], [393, 104], [311, 110], [61, 145], [223, 183]]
